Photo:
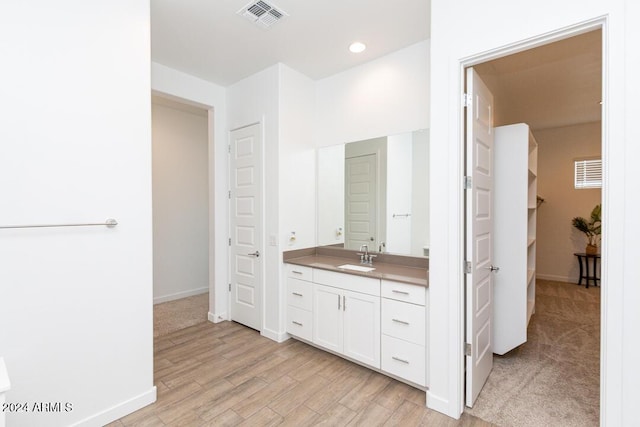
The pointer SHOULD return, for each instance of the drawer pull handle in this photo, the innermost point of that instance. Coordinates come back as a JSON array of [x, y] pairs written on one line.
[[296, 323], [296, 272], [296, 294], [400, 321], [399, 292], [400, 360]]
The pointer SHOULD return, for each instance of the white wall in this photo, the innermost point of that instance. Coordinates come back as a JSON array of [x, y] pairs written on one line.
[[75, 125], [174, 84], [383, 97], [297, 159], [330, 192], [499, 23], [557, 240], [180, 201]]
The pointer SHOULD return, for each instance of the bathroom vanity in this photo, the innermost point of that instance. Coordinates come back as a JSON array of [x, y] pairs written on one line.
[[376, 318]]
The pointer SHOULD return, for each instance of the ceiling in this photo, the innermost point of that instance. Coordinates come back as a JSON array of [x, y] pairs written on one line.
[[554, 85], [558, 84], [208, 39]]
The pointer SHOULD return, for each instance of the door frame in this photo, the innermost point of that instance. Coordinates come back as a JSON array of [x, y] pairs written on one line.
[[261, 265], [458, 306]]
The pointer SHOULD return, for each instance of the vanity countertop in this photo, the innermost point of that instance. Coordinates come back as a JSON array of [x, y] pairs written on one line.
[[387, 271]]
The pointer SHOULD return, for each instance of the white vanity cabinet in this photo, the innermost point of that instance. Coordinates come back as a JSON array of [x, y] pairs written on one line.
[[403, 325], [346, 315], [299, 301], [376, 322]]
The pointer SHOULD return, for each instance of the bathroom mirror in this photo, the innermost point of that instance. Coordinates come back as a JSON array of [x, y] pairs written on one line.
[[375, 192]]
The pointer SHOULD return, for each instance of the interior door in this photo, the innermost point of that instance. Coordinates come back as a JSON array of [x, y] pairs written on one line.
[[361, 201], [246, 226], [479, 244]]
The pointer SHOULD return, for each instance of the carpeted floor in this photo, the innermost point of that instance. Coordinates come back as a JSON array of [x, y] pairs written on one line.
[[554, 378], [175, 315]]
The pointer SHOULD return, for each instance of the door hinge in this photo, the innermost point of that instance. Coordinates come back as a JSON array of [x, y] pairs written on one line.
[[466, 100], [467, 267], [229, 287], [467, 349], [466, 182], [229, 241], [229, 194], [229, 149]]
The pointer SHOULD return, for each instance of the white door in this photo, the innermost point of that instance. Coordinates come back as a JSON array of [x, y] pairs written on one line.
[[327, 317], [246, 226], [361, 327], [361, 201], [479, 225]]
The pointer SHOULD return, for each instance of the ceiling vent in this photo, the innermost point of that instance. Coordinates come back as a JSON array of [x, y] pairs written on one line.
[[262, 13]]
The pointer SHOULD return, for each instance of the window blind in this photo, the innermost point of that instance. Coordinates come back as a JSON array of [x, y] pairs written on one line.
[[588, 173]]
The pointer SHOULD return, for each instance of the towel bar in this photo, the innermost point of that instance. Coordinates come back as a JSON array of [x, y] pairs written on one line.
[[109, 222]]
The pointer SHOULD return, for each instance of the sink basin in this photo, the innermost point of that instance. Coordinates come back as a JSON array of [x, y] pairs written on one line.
[[360, 268]]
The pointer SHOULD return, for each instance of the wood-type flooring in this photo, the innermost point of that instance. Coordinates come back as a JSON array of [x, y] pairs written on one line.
[[228, 375]]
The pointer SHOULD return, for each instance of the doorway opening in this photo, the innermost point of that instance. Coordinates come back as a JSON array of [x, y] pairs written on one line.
[[555, 88], [181, 218]]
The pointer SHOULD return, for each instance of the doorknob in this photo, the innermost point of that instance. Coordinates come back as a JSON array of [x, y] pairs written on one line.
[[493, 268], [255, 254]]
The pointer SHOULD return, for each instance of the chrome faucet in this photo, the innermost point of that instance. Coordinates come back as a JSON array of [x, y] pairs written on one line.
[[365, 256]]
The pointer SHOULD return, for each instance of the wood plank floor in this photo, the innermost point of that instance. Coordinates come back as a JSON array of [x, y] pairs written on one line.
[[226, 374]]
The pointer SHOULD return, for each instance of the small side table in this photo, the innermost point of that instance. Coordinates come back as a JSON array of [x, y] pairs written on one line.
[[585, 273]]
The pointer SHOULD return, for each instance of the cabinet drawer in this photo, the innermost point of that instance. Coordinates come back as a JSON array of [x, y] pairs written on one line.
[[299, 272], [299, 294], [404, 359], [299, 323], [350, 282], [404, 292], [404, 320]]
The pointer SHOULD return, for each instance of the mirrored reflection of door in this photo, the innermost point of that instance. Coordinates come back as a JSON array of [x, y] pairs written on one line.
[[361, 201]]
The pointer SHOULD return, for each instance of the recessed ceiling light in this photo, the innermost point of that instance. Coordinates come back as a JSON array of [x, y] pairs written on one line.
[[357, 47]]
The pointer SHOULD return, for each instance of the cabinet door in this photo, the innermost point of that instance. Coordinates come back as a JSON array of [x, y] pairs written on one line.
[[362, 328], [327, 317]]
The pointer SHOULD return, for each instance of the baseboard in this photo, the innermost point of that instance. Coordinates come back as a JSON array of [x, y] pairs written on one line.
[[557, 278], [275, 336], [217, 318], [439, 404], [178, 295], [121, 410]]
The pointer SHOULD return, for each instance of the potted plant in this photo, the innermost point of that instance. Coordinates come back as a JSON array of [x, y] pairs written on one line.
[[591, 229]]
